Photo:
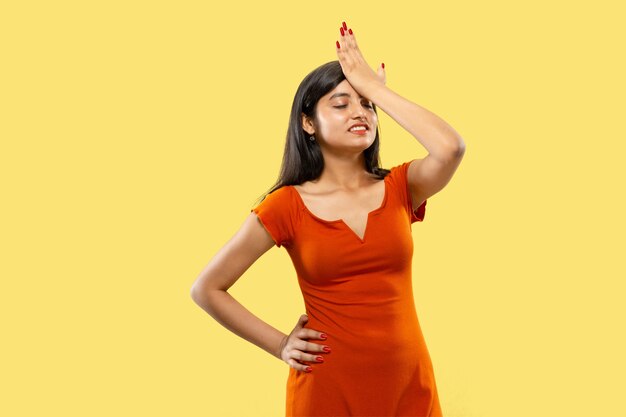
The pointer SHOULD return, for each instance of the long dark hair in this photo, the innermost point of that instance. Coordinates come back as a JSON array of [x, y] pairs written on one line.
[[303, 159]]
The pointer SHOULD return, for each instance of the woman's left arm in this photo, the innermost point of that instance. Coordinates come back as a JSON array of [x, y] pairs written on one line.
[[429, 175], [437, 136], [445, 146]]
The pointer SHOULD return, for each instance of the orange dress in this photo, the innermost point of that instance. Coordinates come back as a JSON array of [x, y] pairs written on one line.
[[359, 292]]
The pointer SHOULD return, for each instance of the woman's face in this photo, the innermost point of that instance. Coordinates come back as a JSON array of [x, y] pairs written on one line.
[[337, 111]]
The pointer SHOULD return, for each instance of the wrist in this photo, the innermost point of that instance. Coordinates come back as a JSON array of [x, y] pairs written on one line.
[[375, 90], [281, 346]]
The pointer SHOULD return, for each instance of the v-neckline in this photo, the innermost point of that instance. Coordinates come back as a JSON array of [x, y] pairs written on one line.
[[367, 220]]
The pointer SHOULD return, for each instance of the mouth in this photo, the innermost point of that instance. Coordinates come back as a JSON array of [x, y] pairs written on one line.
[[359, 129], [360, 132]]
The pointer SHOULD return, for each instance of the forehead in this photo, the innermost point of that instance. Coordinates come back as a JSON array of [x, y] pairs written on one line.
[[344, 94], [343, 89]]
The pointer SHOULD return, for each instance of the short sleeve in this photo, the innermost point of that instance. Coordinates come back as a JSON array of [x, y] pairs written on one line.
[[276, 213], [399, 178]]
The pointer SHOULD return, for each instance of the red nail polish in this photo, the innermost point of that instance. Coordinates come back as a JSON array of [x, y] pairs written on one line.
[[350, 31], [338, 45], [342, 32], [383, 65], [323, 336], [344, 25], [319, 359], [309, 369]]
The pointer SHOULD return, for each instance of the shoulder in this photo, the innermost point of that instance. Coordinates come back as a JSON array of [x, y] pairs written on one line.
[[398, 173], [398, 178], [278, 213], [280, 202], [277, 196]]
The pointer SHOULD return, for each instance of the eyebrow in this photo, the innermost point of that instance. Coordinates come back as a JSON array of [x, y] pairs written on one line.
[[341, 95]]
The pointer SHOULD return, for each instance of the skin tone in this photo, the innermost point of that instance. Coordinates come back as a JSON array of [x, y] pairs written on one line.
[[344, 183], [343, 150], [344, 190]]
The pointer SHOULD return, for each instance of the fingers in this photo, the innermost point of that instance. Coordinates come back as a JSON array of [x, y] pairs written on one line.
[[301, 355], [348, 52], [381, 74], [347, 39], [298, 366], [345, 42], [351, 39], [305, 333], [310, 351], [298, 353]]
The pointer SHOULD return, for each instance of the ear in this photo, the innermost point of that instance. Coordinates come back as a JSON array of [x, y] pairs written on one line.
[[307, 125]]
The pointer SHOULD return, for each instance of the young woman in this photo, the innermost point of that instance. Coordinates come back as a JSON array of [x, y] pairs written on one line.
[[346, 224]]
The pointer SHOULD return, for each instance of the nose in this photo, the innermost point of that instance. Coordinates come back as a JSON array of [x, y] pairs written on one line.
[[359, 112]]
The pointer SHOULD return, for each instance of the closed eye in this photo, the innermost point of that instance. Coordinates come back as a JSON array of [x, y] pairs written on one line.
[[345, 105]]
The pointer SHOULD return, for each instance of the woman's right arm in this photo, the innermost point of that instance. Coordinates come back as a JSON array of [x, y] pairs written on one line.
[[210, 290]]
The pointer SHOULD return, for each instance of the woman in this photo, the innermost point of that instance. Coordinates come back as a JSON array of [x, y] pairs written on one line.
[[346, 224]]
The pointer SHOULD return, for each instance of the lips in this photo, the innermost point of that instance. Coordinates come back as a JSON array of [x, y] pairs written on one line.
[[359, 124], [358, 132]]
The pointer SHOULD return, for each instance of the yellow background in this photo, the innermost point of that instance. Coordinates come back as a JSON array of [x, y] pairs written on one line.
[[137, 135]]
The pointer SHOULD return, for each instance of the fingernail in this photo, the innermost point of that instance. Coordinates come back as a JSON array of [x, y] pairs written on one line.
[[326, 349], [344, 25], [383, 65], [350, 31], [342, 32], [323, 336], [319, 359], [309, 369], [338, 45]]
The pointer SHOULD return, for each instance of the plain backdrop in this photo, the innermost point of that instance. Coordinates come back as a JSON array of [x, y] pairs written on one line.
[[136, 136]]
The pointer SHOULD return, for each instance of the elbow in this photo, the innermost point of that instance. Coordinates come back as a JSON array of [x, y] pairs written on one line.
[[455, 151], [458, 149], [451, 150], [198, 296], [452, 154], [194, 295], [202, 297]]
